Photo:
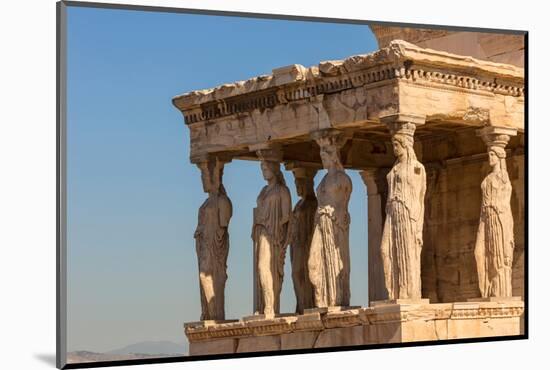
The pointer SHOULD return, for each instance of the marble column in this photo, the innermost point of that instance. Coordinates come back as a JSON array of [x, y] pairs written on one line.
[[329, 259], [377, 192], [271, 219], [301, 232], [401, 243], [212, 239], [494, 249]]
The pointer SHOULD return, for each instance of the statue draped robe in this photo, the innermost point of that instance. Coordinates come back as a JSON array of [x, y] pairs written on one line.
[[303, 217], [329, 261], [269, 234], [401, 243], [212, 246], [494, 248]]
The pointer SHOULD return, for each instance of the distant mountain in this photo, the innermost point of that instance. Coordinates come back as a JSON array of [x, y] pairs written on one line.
[[153, 348], [133, 351], [77, 357]]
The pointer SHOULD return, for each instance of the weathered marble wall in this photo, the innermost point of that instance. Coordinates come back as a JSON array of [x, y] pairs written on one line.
[[451, 221], [500, 48]]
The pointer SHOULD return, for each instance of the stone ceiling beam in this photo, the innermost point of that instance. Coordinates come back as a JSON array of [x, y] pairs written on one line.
[[355, 94]]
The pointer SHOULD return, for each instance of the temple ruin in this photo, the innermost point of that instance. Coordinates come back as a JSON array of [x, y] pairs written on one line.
[[438, 139]]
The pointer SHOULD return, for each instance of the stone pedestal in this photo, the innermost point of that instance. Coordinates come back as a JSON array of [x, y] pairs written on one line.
[[324, 310], [421, 301], [385, 322], [495, 299]]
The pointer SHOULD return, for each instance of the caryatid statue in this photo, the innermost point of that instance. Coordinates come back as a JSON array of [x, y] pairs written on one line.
[[494, 249], [212, 240], [329, 259], [401, 243], [270, 234], [301, 231]]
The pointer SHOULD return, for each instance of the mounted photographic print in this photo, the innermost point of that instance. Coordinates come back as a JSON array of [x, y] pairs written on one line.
[[239, 185]]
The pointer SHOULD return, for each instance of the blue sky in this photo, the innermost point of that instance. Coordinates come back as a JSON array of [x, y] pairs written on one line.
[[132, 193]]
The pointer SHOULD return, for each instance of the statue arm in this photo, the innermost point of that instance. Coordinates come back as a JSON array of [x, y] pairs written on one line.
[[225, 211], [254, 218], [286, 215], [509, 239], [414, 198], [479, 254], [384, 254], [349, 184], [198, 229], [286, 206]]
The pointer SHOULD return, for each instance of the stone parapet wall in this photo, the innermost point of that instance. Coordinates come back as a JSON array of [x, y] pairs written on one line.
[[334, 327]]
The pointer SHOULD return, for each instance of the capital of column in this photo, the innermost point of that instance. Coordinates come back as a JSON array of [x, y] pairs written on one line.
[[404, 125], [269, 152], [330, 143], [398, 119], [302, 169], [331, 136], [207, 157], [211, 167], [495, 136]]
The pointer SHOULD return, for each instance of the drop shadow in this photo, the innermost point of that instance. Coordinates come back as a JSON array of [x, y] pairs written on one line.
[[47, 358]]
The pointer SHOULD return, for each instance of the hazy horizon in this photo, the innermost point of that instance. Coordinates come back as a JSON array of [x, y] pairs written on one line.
[[132, 193]]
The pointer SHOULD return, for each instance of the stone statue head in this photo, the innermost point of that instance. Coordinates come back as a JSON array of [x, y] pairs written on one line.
[[497, 161], [211, 175], [303, 179], [270, 159], [304, 186], [301, 186], [271, 171], [330, 151], [493, 159], [403, 147], [496, 139], [496, 155]]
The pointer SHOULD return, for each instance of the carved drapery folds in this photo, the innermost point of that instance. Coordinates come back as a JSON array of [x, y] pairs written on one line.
[[401, 243], [301, 232], [494, 249], [329, 260], [212, 239], [270, 233]]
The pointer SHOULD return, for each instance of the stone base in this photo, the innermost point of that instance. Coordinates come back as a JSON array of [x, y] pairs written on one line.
[[261, 316], [494, 299], [385, 322], [207, 323], [329, 309], [421, 301]]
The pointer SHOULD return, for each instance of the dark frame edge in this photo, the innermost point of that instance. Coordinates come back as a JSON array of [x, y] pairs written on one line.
[[526, 187], [61, 185]]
